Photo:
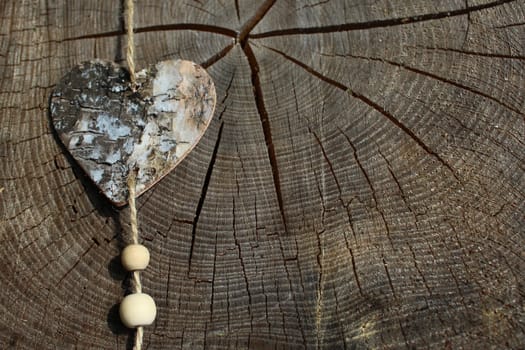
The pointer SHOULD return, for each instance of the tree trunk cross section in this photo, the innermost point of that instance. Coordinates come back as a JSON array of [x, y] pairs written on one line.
[[361, 184]]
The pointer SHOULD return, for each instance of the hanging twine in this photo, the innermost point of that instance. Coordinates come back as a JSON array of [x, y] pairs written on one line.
[[137, 285], [137, 309], [130, 58], [132, 177], [130, 53]]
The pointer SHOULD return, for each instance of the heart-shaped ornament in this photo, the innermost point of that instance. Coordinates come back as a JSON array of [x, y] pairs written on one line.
[[111, 130]]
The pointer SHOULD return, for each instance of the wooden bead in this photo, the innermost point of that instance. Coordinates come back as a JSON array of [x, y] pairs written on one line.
[[135, 257], [137, 310]]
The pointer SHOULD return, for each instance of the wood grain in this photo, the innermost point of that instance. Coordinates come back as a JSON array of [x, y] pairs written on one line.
[[362, 183]]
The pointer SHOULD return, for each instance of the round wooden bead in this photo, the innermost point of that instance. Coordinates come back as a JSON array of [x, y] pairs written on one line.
[[135, 257], [137, 310]]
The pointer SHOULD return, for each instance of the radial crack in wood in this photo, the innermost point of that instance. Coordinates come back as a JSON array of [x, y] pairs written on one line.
[[358, 110]]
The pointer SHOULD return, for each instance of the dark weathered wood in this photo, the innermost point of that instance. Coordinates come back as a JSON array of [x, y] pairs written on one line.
[[362, 183], [111, 127]]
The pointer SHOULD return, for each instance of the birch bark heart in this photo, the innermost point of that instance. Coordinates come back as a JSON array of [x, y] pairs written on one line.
[[110, 129]]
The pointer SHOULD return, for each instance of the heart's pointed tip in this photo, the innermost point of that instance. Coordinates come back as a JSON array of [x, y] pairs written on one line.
[[119, 204]]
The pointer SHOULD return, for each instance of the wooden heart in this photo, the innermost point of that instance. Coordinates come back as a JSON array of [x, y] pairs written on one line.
[[110, 129]]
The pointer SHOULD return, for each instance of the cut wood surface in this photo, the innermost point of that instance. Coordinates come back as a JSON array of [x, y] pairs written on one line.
[[362, 183]]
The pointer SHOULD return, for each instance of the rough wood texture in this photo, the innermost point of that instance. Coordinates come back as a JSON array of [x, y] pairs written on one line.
[[111, 129], [361, 184]]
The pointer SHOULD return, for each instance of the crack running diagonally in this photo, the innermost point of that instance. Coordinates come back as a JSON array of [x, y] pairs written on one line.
[[246, 29], [242, 39], [437, 77], [203, 195], [265, 122], [380, 23], [372, 104]]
